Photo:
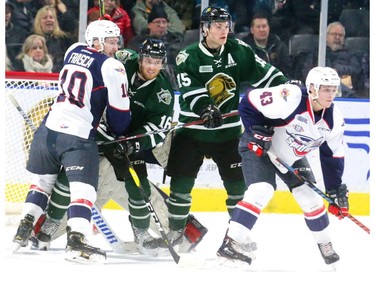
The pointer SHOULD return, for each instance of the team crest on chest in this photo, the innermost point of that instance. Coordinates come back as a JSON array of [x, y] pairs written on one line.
[[164, 96]]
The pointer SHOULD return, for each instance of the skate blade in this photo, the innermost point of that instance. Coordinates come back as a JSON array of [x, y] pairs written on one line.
[[230, 263], [76, 257], [15, 247]]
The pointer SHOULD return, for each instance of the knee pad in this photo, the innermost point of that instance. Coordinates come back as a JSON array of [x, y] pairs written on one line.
[[307, 198], [259, 194], [79, 190], [45, 182]]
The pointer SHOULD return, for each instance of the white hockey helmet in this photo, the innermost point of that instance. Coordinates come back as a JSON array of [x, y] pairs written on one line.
[[101, 29], [322, 76]]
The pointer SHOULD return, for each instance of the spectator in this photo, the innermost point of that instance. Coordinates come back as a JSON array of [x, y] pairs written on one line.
[[268, 46], [47, 25], [141, 10], [8, 63], [342, 60], [185, 10], [118, 15], [23, 13], [65, 15], [34, 56], [14, 35], [289, 17], [158, 23]]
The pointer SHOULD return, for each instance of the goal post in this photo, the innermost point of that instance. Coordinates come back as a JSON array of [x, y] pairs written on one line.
[[34, 93]]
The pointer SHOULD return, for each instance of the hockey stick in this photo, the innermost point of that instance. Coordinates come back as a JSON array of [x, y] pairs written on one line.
[[315, 188], [101, 9], [112, 239], [151, 209], [194, 230], [117, 245], [173, 128], [27, 119]]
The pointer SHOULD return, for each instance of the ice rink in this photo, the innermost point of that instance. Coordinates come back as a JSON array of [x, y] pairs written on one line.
[[286, 251]]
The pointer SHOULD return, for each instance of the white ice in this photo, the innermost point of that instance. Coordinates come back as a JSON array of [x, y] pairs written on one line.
[[286, 251]]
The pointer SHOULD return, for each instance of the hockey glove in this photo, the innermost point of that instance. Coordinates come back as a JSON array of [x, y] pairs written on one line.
[[211, 117], [260, 141], [340, 207], [126, 148]]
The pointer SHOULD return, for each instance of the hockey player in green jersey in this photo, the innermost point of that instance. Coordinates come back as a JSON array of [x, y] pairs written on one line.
[[152, 104], [209, 74]]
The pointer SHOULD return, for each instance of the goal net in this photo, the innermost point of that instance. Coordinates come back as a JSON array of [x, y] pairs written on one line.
[[28, 97]]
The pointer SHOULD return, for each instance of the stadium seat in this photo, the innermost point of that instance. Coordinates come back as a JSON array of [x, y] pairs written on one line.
[[241, 35], [357, 43], [303, 43], [356, 22]]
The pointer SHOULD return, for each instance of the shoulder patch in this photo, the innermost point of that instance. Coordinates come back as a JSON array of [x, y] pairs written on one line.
[[181, 57]]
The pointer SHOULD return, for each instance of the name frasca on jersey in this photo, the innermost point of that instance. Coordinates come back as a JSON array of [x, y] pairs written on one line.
[[81, 60]]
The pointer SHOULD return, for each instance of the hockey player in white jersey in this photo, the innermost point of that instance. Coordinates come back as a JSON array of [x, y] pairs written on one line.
[[92, 85], [290, 121]]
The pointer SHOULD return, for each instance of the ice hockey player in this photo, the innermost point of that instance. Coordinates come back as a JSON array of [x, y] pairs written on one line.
[[92, 84], [209, 76], [290, 121]]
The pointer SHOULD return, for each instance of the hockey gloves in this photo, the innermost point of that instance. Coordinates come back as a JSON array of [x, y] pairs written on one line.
[[126, 148], [211, 117], [340, 206], [260, 140]]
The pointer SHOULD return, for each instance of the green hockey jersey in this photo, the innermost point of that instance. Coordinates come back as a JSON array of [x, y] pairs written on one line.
[[151, 102], [204, 78]]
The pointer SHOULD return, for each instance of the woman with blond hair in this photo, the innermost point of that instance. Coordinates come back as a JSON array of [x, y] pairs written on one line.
[[34, 56], [47, 25]]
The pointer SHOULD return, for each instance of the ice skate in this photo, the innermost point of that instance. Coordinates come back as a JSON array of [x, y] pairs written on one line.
[[78, 250], [43, 238], [21, 239], [147, 244], [233, 251], [328, 254], [175, 238]]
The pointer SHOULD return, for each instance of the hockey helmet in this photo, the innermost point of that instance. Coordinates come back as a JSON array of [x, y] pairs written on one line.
[[153, 48], [322, 76], [215, 14], [101, 29]]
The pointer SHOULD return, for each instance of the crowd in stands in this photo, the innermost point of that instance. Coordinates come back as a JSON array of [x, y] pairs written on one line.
[[266, 25]]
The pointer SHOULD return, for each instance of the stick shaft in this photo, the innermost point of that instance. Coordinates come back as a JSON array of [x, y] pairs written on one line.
[[316, 189], [135, 177], [179, 126]]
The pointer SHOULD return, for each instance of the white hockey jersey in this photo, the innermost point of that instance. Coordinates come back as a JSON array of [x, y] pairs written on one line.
[[298, 129], [89, 84]]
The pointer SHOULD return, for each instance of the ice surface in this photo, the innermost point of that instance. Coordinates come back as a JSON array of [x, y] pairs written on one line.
[[286, 251]]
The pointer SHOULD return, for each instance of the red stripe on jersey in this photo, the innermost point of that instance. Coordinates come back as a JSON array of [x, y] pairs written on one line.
[[317, 212], [82, 201], [249, 206]]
